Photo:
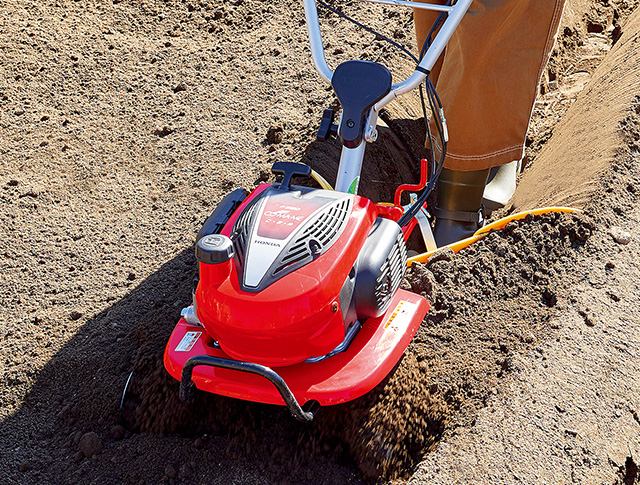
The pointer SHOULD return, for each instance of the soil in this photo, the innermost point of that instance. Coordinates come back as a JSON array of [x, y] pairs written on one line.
[[568, 412], [122, 127]]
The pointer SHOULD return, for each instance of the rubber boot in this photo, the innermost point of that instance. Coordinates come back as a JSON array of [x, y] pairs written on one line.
[[501, 185], [458, 208]]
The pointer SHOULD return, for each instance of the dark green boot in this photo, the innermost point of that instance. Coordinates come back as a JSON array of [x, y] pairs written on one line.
[[458, 209]]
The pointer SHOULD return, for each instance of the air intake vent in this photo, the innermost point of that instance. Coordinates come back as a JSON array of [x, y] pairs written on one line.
[[283, 231], [391, 273], [241, 230], [317, 236]]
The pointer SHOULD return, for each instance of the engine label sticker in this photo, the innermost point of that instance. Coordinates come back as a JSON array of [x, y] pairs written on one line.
[[401, 316], [284, 213], [188, 341]]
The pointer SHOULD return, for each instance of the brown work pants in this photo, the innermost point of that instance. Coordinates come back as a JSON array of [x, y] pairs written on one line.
[[488, 76]]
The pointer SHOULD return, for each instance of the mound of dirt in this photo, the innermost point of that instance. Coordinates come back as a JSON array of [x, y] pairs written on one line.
[[490, 302]]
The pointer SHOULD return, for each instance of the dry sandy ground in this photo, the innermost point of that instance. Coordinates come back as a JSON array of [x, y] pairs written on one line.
[[570, 413], [123, 124]]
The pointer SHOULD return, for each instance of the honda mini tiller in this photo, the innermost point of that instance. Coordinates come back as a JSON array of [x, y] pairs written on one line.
[[298, 300]]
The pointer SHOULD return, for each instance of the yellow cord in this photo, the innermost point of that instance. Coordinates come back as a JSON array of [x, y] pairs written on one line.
[[321, 180], [483, 231]]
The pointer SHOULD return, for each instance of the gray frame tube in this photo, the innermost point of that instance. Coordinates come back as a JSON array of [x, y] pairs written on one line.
[[315, 39], [432, 55], [349, 169], [455, 14], [412, 4], [351, 158]]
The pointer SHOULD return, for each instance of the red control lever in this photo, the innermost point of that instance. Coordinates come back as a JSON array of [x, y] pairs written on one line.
[[415, 188]]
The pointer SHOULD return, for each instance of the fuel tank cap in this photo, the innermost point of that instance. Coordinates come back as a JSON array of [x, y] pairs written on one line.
[[214, 249]]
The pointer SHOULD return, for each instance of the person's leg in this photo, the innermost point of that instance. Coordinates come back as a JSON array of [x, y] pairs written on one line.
[[488, 83], [501, 185], [458, 213], [489, 79]]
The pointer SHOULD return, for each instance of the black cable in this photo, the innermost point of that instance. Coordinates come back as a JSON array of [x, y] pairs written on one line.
[[434, 103], [434, 27], [425, 47], [439, 21], [427, 130], [368, 29]]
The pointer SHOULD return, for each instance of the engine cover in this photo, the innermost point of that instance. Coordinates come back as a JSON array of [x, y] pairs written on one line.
[[284, 230], [281, 299], [380, 268]]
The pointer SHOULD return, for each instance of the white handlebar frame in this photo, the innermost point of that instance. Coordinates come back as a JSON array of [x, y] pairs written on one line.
[[351, 158]]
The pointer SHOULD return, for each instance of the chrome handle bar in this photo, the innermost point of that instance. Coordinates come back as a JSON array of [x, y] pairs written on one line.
[[455, 13]]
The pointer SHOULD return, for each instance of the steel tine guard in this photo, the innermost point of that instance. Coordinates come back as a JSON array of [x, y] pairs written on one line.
[[187, 385]]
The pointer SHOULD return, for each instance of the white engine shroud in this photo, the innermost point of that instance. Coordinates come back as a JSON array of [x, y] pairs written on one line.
[[286, 229]]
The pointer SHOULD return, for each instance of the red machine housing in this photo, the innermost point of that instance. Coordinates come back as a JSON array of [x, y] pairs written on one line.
[[295, 321], [372, 355], [296, 317]]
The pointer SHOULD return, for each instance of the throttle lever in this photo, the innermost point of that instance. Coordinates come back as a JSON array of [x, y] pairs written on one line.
[[327, 127]]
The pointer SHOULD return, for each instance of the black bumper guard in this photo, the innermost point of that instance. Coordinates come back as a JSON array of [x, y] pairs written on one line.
[[187, 385]]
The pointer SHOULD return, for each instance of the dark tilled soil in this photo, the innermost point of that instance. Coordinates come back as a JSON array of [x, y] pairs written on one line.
[[490, 302], [123, 125]]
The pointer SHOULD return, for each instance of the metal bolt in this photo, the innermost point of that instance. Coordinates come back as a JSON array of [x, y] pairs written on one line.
[[334, 306], [351, 123], [371, 134], [315, 247]]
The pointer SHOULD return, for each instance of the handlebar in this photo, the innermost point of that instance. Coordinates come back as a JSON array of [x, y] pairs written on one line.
[[455, 13]]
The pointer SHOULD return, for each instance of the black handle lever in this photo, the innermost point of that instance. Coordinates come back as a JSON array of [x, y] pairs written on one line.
[[327, 128], [288, 170]]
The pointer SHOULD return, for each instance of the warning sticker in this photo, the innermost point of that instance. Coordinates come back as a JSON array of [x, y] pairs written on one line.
[[401, 315], [188, 341]]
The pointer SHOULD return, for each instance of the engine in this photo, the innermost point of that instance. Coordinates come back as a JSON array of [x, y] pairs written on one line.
[[292, 270]]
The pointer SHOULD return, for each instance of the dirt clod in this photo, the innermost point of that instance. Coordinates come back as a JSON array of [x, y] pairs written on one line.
[[620, 236], [90, 444], [445, 254], [75, 315], [274, 135], [170, 471], [588, 319], [179, 88], [164, 131], [117, 432]]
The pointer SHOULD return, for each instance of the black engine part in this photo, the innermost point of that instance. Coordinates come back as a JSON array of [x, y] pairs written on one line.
[[222, 213], [379, 269]]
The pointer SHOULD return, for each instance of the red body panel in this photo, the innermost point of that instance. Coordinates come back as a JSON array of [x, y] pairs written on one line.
[[376, 349], [297, 316]]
